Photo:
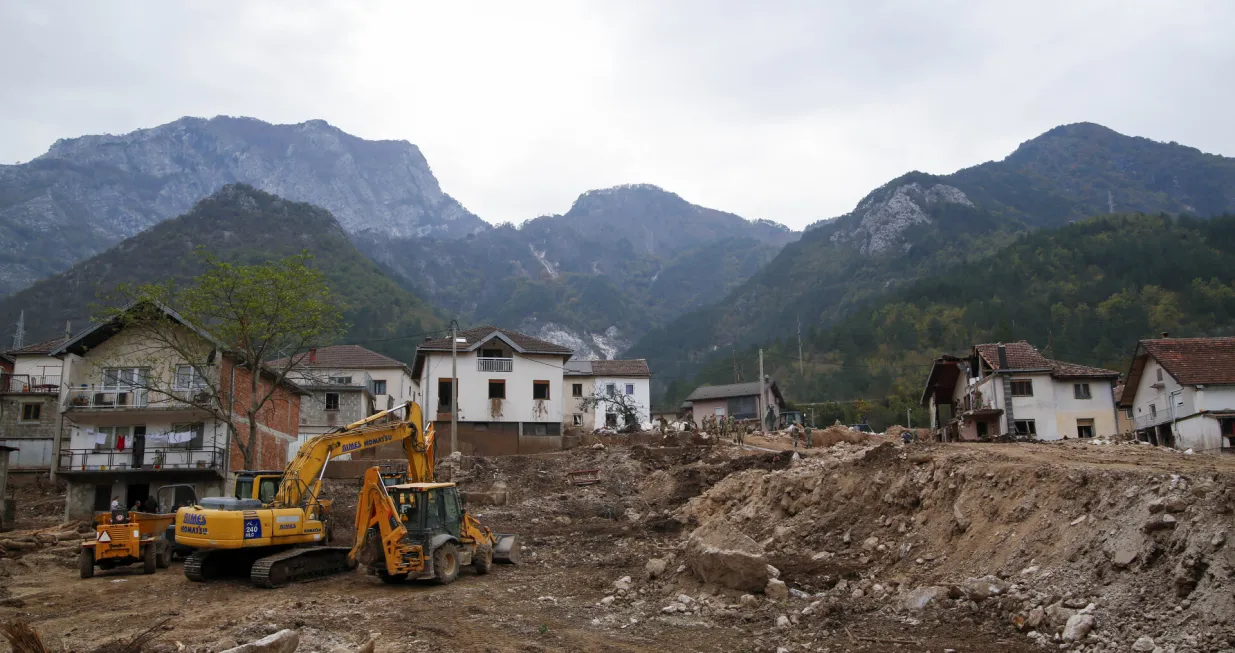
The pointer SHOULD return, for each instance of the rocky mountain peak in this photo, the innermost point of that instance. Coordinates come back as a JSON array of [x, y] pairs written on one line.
[[883, 216]]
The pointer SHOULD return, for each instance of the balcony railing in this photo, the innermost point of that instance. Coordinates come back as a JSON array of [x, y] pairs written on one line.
[[106, 397], [1149, 420], [150, 459], [29, 383], [495, 364]]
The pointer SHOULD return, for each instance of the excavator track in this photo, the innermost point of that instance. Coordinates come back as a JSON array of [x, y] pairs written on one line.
[[299, 565], [199, 568]]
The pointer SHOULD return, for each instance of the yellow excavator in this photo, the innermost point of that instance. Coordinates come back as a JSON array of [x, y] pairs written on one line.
[[286, 540], [420, 529]]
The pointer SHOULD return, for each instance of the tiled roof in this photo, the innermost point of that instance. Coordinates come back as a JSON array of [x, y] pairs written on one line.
[[343, 357], [629, 367], [1064, 370], [474, 335], [1119, 392], [38, 348], [725, 391], [1023, 356], [1195, 361]]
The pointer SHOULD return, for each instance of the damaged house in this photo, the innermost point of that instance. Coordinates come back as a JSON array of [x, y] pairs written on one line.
[[1013, 390], [1181, 393]]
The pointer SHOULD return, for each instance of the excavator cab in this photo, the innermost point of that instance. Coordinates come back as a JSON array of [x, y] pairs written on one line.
[[262, 485]]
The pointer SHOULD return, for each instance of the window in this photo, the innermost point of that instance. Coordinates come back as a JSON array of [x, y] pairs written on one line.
[[1022, 387], [540, 390], [610, 389], [107, 438], [186, 436], [1153, 410], [340, 380], [443, 394], [576, 389], [189, 377], [630, 388], [1081, 391], [123, 378], [379, 387], [611, 420], [497, 389], [491, 353], [1084, 428], [332, 401], [31, 412], [1128, 413], [1159, 373], [718, 411], [576, 419], [1025, 427]]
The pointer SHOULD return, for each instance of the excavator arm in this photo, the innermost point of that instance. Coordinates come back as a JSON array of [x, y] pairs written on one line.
[[302, 479], [381, 538]]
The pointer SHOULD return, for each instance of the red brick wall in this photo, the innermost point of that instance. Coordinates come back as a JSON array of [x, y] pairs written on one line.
[[281, 413]]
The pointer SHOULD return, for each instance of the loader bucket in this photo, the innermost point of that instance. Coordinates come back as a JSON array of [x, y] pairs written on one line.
[[506, 549]]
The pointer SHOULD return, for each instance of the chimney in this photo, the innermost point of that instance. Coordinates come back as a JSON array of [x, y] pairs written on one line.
[[1165, 334], [1003, 357], [312, 355], [428, 338]]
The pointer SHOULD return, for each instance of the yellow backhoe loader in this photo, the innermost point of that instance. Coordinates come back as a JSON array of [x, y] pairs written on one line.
[[420, 529], [286, 539]]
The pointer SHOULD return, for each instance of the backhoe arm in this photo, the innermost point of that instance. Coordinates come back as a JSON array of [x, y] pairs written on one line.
[[303, 477], [376, 514]]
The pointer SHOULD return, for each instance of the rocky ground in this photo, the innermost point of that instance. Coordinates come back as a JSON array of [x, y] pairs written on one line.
[[865, 545]]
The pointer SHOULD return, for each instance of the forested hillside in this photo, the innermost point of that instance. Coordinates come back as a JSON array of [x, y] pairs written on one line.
[[236, 224], [921, 225], [1083, 293]]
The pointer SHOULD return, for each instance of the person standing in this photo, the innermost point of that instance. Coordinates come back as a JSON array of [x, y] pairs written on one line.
[[115, 503]]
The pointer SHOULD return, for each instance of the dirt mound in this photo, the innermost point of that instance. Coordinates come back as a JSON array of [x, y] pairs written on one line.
[[1053, 532], [836, 434]]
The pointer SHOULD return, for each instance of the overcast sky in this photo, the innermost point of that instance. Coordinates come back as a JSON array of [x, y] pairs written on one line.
[[790, 111]]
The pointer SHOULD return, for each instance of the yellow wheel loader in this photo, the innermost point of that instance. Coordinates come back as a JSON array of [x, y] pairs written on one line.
[[285, 540]]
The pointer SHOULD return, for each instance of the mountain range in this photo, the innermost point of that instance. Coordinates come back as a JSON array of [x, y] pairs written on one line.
[[921, 225]]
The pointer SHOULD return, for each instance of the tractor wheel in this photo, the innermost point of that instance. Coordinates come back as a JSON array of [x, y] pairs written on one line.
[[445, 563], [482, 560], [149, 559], [86, 563], [164, 554]]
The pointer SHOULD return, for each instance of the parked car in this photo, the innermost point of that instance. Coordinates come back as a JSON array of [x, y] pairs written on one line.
[[865, 428]]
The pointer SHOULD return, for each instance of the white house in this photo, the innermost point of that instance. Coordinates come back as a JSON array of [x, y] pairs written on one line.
[[347, 383], [1181, 392], [616, 383], [510, 391], [1013, 389], [29, 406]]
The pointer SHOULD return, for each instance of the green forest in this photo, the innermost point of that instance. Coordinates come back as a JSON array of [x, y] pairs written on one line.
[[1083, 293]]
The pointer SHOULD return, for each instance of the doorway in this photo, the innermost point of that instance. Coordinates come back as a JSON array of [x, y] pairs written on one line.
[[102, 498], [139, 446], [137, 492]]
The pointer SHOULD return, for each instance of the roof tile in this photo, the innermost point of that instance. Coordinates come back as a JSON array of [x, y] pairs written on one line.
[[1195, 361], [476, 334], [344, 357]]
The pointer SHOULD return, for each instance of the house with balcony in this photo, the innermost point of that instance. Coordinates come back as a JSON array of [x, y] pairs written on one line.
[[134, 418], [509, 388], [1013, 390], [347, 383], [1181, 393], [618, 382], [29, 406]]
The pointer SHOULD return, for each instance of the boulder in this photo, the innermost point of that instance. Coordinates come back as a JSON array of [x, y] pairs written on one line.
[[962, 522], [921, 597], [284, 641], [719, 553], [748, 601], [1160, 523], [870, 543], [1144, 644], [1035, 618], [776, 590], [367, 647], [1078, 627], [655, 567], [1057, 615], [1124, 557]]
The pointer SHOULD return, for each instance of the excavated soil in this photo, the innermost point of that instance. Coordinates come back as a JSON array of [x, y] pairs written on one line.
[[1008, 541]]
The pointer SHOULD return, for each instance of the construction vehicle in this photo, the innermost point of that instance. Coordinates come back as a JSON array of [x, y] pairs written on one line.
[[261, 485], [286, 539], [420, 529], [123, 537]]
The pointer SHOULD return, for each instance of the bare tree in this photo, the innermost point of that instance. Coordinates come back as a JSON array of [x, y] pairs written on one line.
[[625, 408], [238, 318]]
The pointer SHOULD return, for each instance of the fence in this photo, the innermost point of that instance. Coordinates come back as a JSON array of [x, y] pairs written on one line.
[[149, 459]]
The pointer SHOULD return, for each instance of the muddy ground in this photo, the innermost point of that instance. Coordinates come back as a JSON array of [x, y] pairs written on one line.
[[1011, 542]]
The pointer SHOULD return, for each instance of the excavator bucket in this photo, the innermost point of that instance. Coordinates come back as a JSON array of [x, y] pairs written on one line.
[[507, 549]]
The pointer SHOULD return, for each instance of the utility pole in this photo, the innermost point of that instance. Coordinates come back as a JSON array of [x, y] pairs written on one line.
[[908, 419], [801, 365], [454, 386], [734, 354], [763, 390], [19, 336]]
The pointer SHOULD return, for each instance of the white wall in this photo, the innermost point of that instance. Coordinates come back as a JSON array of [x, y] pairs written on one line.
[[570, 403], [1215, 397], [38, 366], [1146, 394], [474, 405], [642, 395], [1053, 407], [1100, 408], [1200, 433], [399, 386]]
